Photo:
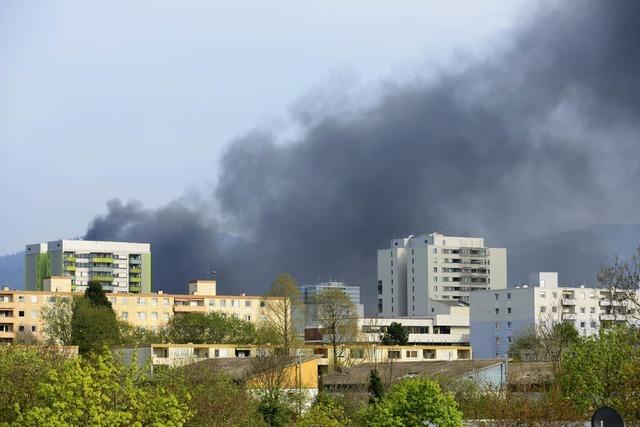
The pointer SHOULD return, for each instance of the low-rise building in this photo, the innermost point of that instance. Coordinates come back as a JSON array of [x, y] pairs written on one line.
[[20, 310], [498, 316]]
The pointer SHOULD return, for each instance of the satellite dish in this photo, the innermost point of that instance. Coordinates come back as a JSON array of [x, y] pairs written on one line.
[[606, 417]]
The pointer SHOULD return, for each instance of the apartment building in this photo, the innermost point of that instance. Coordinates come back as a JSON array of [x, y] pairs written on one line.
[[498, 316], [117, 266], [310, 292], [20, 310], [416, 271]]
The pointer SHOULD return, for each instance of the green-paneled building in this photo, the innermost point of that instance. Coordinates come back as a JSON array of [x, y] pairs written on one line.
[[118, 266]]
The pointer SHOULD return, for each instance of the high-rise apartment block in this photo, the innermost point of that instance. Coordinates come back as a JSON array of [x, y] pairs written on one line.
[[117, 266], [417, 270]]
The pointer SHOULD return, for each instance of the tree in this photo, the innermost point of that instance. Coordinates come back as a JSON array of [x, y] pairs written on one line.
[[325, 412], [93, 326], [216, 399], [56, 319], [215, 327], [622, 283], [604, 370], [414, 402], [282, 307], [526, 346], [375, 386], [338, 319], [270, 377], [136, 335], [96, 294], [22, 369], [395, 334], [102, 392]]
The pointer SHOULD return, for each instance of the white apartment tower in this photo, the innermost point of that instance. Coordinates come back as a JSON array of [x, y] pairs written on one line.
[[418, 269]]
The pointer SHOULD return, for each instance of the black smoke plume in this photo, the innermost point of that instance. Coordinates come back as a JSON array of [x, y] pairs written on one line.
[[537, 139]]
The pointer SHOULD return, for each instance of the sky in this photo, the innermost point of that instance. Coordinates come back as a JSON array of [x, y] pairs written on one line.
[[139, 100]]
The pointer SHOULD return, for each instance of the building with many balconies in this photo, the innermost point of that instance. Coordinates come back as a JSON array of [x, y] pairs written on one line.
[[417, 270], [499, 316], [117, 266]]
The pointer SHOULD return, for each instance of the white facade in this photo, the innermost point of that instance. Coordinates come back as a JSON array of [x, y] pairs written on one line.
[[310, 292], [417, 270], [499, 316]]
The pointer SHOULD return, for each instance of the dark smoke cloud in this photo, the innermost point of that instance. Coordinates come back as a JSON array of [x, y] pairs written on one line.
[[541, 138]]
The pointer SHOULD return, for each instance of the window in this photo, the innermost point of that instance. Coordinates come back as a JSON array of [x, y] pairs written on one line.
[[497, 296], [394, 354], [141, 301], [142, 315], [554, 309], [154, 315], [20, 298], [543, 294], [34, 313], [592, 310], [508, 310], [497, 340], [508, 325], [357, 353], [223, 303], [154, 302], [435, 269], [583, 324], [212, 303], [216, 353], [34, 298], [112, 300], [124, 315], [165, 301], [428, 354], [262, 304], [124, 301], [497, 311], [247, 317], [497, 326], [593, 324], [33, 328], [435, 288], [165, 316], [583, 310], [543, 309], [435, 278], [247, 303], [412, 353], [435, 250], [21, 328], [509, 339], [21, 313], [508, 295]]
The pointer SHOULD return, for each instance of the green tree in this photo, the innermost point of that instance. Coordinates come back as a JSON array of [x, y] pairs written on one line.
[[96, 294], [215, 327], [136, 335], [56, 318], [375, 387], [325, 412], [21, 371], [604, 370], [102, 392], [413, 402], [93, 326], [216, 399], [395, 334], [282, 307], [338, 319]]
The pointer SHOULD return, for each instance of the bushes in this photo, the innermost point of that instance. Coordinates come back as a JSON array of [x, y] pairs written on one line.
[[413, 402]]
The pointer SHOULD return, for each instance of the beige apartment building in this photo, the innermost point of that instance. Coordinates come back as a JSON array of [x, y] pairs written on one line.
[[20, 310]]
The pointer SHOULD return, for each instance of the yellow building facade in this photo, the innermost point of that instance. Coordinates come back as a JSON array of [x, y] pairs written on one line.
[[21, 311]]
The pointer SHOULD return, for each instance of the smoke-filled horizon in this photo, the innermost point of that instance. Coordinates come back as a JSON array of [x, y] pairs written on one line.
[[540, 138]]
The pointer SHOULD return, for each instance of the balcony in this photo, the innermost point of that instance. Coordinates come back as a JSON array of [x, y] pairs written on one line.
[[103, 260], [5, 334], [190, 308], [100, 278], [135, 270], [569, 316], [70, 259], [70, 268], [568, 301], [135, 261], [608, 303], [135, 279], [135, 289], [613, 317]]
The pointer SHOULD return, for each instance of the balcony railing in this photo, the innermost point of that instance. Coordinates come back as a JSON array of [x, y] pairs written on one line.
[[569, 316], [105, 260], [568, 301]]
